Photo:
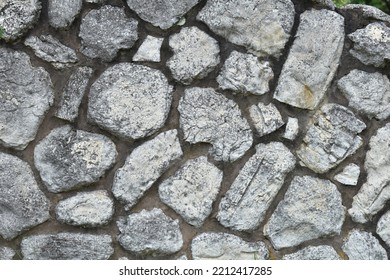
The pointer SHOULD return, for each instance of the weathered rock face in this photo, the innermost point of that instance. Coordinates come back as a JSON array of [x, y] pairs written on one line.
[[63, 13], [383, 228], [149, 50], [266, 118], [322, 252], [6, 253], [361, 245], [349, 176]]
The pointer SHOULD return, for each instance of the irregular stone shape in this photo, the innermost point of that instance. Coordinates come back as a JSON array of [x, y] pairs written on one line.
[[369, 93], [89, 209], [150, 233], [22, 204], [26, 95], [149, 50], [383, 228], [162, 13], [17, 17], [331, 137], [262, 26], [292, 129], [6, 253], [68, 108], [225, 246], [369, 12], [130, 100], [244, 73], [321, 252], [51, 50], [67, 246], [195, 55], [313, 59], [105, 31], [312, 208], [349, 176], [361, 245], [207, 116], [244, 205], [69, 158], [62, 13], [371, 44], [266, 118], [192, 190], [144, 166]]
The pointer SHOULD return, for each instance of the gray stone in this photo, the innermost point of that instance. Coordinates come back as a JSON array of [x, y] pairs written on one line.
[[62, 13], [67, 246], [369, 12], [105, 31], [195, 55], [6, 253], [225, 246], [372, 44], [26, 95], [150, 233], [349, 176], [361, 245], [313, 59], [292, 129], [22, 204], [325, 3], [244, 73], [266, 118], [162, 13], [52, 50], [383, 228], [207, 116], [312, 208], [144, 166], [245, 204], [68, 108], [332, 136], [88, 209], [192, 190], [369, 93], [67, 158], [149, 50], [130, 100], [321, 252], [262, 26]]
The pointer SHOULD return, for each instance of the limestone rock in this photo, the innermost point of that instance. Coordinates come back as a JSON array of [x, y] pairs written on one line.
[[383, 228], [349, 176], [6, 253], [321, 252], [69, 158], [361, 245], [149, 50], [313, 59], [266, 118], [312, 208], [369, 11], [192, 190], [62, 13], [207, 116], [292, 129]]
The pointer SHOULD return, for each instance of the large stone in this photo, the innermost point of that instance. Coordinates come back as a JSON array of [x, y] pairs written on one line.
[[67, 246], [6, 253], [105, 31], [312, 208], [207, 116], [225, 246], [332, 136], [265, 118], [361, 245], [349, 176], [22, 204], [369, 11], [26, 95], [144, 166], [62, 13], [245, 204], [130, 100], [192, 190], [149, 50], [262, 26], [383, 228], [69, 158], [321, 252], [195, 54], [369, 93], [313, 59], [150, 233]]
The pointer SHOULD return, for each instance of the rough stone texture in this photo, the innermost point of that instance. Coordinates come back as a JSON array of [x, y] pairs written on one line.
[[383, 228], [62, 13], [144, 166], [129, 100], [361, 245], [224, 246], [322, 252], [369, 12], [244, 73], [195, 54], [149, 50], [369, 93], [331, 137], [313, 59], [262, 26], [22, 204], [207, 116], [6, 253], [105, 31], [266, 118], [325, 3], [312, 208], [52, 50], [292, 129], [192, 190], [349, 176], [67, 246], [89, 209], [244, 205], [150, 233], [69, 158], [25, 96]]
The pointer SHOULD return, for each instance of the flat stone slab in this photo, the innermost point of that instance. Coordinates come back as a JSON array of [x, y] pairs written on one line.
[[62, 13], [383, 228], [292, 129], [149, 50], [362, 245], [265, 118], [321, 252], [349, 176], [6, 253]]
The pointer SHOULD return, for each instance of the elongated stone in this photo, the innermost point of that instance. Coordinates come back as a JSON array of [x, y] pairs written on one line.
[[266, 118], [383, 228], [322, 252], [369, 11], [362, 245], [292, 129]]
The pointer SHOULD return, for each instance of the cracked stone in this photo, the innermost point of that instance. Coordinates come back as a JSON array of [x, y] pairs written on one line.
[[361, 245], [62, 13], [266, 118], [321, 252], [383, 228], [292, 129], [369, 12], [149, 50], [6, 253], [349, 176]]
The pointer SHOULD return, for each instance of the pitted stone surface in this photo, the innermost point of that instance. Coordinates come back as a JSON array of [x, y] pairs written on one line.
[[322, 252], [67, 158], [383, 228], [62, 13], [149, 50], [207, 116], [349, 176], [292, 129], [6, 253], [361, 245], [266, 118]]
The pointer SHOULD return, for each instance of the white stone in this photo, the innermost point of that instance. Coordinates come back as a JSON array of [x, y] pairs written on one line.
[[266, 118], [292, 129], [149, 50], [349, 176], [361, 245]]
